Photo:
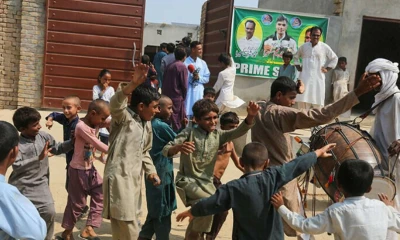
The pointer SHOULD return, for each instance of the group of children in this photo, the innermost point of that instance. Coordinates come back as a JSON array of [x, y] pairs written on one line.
[[137, 144]]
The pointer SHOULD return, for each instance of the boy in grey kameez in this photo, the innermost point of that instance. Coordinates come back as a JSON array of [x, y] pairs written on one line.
[[31, 168], [199, 146]]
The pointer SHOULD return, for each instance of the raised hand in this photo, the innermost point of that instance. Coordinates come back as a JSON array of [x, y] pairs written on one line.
[[323, 152], [367, 83], [277, 200], [49, 124], [384, 198], [45, 152], [252, 108], [140, 74]]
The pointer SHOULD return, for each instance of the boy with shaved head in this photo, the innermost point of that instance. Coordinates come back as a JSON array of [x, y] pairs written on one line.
[[83, 176], [161, 200]]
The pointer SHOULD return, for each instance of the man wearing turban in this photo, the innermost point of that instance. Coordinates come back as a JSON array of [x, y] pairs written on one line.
[[386, 128]]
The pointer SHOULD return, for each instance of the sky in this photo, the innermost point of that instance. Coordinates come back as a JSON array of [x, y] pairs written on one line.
[[182, 11]]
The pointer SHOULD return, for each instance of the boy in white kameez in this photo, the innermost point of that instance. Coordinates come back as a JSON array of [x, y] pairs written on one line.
[[356, 218], [340, 80]]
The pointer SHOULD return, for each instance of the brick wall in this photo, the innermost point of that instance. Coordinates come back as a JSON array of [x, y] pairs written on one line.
[[22, 31], [10, 38], [33, 19], [203, 21]]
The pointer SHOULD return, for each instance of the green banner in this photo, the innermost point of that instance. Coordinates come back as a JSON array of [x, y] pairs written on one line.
[[259, 38]]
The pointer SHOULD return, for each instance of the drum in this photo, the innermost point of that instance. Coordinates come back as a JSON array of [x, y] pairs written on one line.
[[351, 143], [382, 185]]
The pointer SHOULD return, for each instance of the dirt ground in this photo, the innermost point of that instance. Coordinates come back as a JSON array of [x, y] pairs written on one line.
[[57, 181]]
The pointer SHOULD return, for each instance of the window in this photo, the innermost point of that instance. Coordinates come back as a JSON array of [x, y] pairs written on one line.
[[159, 32], [190, 34]]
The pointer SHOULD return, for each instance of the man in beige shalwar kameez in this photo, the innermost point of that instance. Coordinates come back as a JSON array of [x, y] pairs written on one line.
[[130, 143], [277, 119]]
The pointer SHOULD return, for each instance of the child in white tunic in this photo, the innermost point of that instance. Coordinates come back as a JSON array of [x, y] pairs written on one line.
[[340, 80], [357, 217], [225, 83]]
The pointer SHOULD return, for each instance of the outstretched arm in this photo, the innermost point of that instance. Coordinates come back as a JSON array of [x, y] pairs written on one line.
[[119, 101], [289, 171], [220, 201], [289, 119], [319, 224], [252, 111]]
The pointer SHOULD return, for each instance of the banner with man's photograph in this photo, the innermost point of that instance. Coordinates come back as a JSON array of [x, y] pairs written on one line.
[[259, 39]]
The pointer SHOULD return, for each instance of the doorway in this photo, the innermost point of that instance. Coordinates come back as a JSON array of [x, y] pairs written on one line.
[[379, 39]]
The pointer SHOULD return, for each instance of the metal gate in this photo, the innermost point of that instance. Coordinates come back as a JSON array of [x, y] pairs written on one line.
[[83, 37], [217, 33]]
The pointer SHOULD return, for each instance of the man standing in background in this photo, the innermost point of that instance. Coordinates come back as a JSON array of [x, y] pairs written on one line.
[[157, 62], [197, 78], [317, 59]]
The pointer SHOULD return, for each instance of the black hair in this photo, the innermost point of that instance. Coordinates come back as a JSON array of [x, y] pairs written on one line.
[[102, 73], [229, 118], [282, 18], [186, 41], [355, 176], [75, 98], [250, 21], [24, 116], [163, 45], [170, 47], [209, 90], [225, 59], [288, 55], [9, 139], [144, 94], [180, 53], [203, 107], [98, 105], [282, 84], [254, 155], [316, 28], [145, 59], [342, 59], [163, 98], [194, 44], [309, 30]]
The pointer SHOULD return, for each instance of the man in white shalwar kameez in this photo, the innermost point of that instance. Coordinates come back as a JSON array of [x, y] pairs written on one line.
[[386, 128], [317, 59]]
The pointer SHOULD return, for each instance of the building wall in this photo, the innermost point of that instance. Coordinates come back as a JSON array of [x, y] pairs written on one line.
[[10, 40], [352, 20], [170, 33], [22, 31], [324, 7]]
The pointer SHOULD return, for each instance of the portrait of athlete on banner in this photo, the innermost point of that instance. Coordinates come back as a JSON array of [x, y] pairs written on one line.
[[279, 42]]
